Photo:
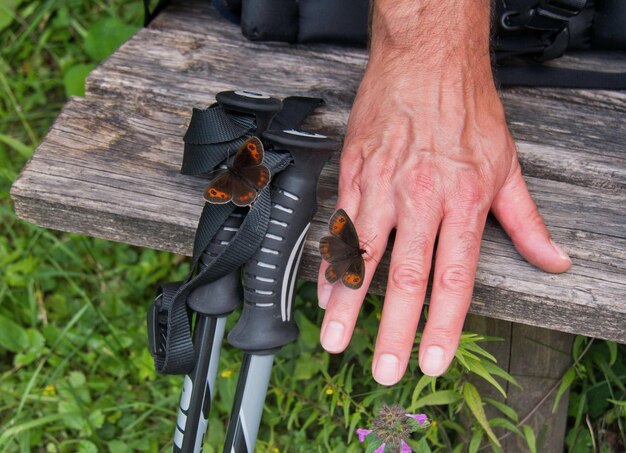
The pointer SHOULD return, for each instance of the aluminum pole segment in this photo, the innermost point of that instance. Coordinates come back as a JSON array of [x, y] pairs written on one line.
[[195, 402], [247, 411]]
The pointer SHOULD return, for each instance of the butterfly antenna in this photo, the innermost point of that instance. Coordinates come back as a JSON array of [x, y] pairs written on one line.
[[369, 241]]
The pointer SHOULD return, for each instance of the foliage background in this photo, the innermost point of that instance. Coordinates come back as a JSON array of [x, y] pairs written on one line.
[[75, 371]]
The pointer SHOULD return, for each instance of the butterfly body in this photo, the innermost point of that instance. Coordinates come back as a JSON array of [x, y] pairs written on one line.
[[342, 251], [243, 181]]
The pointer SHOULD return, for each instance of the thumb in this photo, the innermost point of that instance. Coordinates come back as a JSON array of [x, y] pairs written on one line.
[[517, 213]]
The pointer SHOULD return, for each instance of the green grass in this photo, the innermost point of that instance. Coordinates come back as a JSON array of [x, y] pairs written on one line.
[[75, 372]]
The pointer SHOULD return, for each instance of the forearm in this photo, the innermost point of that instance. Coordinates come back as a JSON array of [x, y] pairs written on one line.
[[431, 34]]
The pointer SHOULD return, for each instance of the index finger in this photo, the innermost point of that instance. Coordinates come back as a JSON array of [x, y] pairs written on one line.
[[345, 303]]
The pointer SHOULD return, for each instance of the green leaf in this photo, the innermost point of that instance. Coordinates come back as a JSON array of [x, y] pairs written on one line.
[[567, 380], [117, 446], [77, 379], [506, 410], [36, 346], [477, 438], [84, 446], [306, 367], [96, 419], [497, 371], [13, 337], [7, 12], [422, 446], [441, 397], [21, 148], [373, 442], [529, 435], [476, 367], [105, 36], [309, 332], [421, 385], [504, 423], [612, 352], [355, 418], [475, 404], [74, 79]]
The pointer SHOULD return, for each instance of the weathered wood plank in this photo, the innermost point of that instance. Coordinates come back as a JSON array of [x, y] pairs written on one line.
[[537, 359], [109, 166]]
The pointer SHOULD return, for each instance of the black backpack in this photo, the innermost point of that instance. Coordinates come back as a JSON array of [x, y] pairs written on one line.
[[526, 32]]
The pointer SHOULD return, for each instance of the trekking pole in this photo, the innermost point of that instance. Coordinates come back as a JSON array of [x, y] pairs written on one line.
[[269, 277], [212, 304], [214, 301]]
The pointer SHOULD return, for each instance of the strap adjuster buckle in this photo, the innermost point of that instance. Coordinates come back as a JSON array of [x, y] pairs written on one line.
[[559, 9], [553, 14], [157, 327]]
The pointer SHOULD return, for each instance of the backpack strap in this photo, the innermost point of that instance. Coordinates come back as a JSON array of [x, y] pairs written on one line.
[[536, 75]]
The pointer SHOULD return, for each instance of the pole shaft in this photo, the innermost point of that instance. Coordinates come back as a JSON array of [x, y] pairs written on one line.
[[195, 401], [245, 417]]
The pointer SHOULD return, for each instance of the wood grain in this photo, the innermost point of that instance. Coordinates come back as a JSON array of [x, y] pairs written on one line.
[[109, 165]]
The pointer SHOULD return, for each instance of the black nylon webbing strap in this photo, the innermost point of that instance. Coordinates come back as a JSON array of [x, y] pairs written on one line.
[[545, 76], [295, 110], [178, 354], [212, 134]]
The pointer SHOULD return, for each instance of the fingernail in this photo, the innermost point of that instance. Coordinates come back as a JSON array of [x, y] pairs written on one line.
[[332, 337], [560, 251], [324, 295], [387, 369], [434, 361]]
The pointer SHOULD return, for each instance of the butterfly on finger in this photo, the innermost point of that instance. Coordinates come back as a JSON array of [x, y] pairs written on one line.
[[343, 252], [243, 181]]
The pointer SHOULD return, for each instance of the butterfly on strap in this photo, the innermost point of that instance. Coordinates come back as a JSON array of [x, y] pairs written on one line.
[[342, 250], [243, 181]]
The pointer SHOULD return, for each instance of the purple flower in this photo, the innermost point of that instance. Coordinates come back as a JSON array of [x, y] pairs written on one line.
[[405, 448], [362, 433], [390, 427], [421, 418]]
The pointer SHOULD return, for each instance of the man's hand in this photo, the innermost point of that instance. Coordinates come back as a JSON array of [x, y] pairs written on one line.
[[428, 152]]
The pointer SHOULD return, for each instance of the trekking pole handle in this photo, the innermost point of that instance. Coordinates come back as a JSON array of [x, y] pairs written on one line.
[[269, 276], [261, 105]]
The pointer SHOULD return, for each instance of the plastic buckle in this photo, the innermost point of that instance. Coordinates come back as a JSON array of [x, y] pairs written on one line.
[[157, 327], [559, 9], [552, 14], [557, 47]]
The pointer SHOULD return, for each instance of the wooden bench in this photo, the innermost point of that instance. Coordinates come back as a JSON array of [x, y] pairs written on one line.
[[109, 167]]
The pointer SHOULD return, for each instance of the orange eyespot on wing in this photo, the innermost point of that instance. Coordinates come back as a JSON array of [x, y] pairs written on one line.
[[244, 180], [342, 227], [331, 274], [341, 249], [338, 222], [258, 176], [220, 189], [353, 276], [245, 199], [249, 154]]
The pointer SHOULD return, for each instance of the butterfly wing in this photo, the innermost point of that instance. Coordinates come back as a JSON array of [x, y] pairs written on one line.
[[249, 154], [250, 176], [352, 277], [342, 227], [243, 193], [258, 176], [334, 249], [336, 270], [220, 189]]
